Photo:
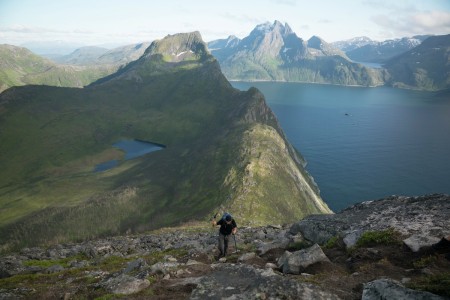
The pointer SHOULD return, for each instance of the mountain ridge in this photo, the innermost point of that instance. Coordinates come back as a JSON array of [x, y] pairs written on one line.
[[222, 145], [423, 67], [275, 52]]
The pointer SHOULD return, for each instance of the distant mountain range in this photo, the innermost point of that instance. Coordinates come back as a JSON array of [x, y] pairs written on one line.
[[363, 49], [102, 56], [271, 52], [275, 52], [19, 66]]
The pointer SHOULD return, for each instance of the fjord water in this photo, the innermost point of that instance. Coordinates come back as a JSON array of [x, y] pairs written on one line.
[[365, 143]]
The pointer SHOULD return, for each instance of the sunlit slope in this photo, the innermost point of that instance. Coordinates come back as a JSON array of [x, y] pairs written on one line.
[[225, 149], [19, 66]]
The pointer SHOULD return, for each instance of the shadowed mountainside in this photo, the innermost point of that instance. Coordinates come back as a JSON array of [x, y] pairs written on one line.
[[224, 149]]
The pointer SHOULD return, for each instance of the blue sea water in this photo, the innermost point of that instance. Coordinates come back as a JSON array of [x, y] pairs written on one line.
[[365, 143]]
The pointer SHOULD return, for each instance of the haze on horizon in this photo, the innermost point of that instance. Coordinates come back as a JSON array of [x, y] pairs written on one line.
[[117, 22]]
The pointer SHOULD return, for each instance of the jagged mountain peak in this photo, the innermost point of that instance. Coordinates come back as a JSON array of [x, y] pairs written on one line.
[[268, 27]]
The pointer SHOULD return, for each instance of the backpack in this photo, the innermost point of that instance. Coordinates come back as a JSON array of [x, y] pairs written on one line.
[[225, 215]]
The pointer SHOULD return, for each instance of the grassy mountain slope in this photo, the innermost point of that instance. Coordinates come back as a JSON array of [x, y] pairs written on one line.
[[225, 150], [19, 66], [425, 67]]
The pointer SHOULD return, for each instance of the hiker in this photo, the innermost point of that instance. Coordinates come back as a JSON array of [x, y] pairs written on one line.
[[227, 226]]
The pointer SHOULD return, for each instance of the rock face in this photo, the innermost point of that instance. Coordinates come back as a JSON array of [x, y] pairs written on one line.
[[423, 219], [246, 282], [388, 289]]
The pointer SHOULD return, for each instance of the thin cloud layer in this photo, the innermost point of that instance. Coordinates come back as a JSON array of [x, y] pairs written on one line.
[[433, 22]]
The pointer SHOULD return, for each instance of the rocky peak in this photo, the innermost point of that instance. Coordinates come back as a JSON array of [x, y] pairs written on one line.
[[277, 26], [316, 42], [319, 47], [270, 40], [179, 47]]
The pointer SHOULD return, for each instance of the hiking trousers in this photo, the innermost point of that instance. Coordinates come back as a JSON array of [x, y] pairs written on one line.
[[223, 244]]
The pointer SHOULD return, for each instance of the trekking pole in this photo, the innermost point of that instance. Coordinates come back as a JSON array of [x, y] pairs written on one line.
[[214, 217], [235, 244]]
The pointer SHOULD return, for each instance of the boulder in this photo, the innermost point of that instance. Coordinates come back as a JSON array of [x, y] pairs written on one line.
[[389, 289], [163, 267], [125, 284], [416, 242], [10, 266], [135, 265], [264, 247], [230, 281], [297, 262], [54, 269], [247, 256], [351, 238]]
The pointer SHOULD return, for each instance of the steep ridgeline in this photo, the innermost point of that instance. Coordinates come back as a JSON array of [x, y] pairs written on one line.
[[225, 150], [425, 67], [275, 52], [19, 66]]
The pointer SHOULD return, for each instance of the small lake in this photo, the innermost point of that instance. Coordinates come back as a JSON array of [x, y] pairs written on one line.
[[365, 143], [132, 149]]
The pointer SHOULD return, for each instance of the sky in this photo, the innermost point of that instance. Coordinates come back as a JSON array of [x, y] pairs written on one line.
[[121, 22]]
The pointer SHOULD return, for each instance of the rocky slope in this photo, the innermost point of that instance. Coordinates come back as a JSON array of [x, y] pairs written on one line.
[[275, 52], [225, 150], [391, 248]]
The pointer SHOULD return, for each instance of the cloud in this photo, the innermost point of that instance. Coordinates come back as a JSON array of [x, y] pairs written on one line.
[[430, 22]]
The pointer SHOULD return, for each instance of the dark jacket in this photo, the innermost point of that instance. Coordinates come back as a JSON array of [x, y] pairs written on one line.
[[225, 228]]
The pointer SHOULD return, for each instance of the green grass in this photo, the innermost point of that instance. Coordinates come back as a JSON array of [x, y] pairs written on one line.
[[383, 237], [437, 284], [331, 243], [64, 262]]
